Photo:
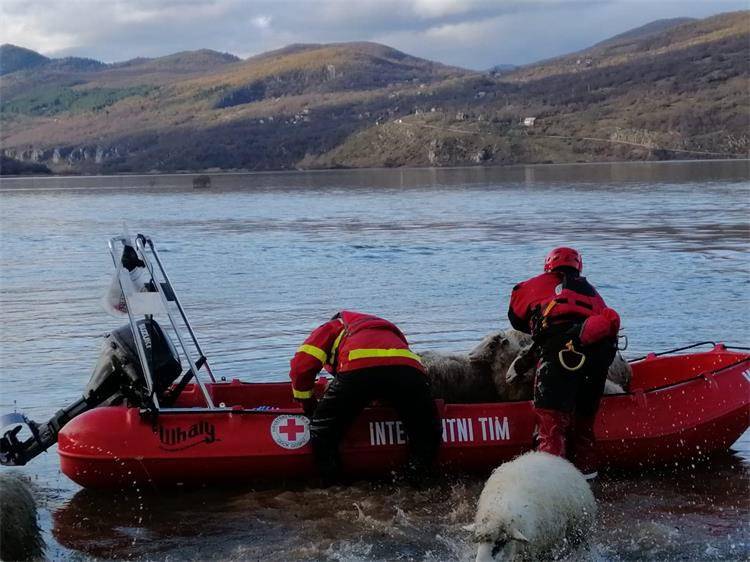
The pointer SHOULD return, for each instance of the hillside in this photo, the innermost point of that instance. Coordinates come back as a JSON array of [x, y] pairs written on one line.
[[655, 39], [13, 59], [674, 88], [299, 69], [633, 36], [264, 112]]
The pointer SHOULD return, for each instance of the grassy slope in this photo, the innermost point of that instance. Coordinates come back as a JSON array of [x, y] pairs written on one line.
[[339, 83], [684, 88], [670, 84], [649, 41]]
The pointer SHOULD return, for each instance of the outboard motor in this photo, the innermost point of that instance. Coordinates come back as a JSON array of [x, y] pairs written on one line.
[[117, 378]]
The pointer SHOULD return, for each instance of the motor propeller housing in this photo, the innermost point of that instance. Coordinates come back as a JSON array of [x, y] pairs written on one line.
[[118, 375], [117, 378]]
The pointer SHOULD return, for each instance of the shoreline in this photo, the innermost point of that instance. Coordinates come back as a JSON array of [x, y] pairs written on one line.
[[183, 174]]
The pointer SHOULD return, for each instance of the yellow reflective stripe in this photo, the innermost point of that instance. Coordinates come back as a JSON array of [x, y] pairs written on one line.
[[336, 343], [368, 353], [302, 394], [316, 352]]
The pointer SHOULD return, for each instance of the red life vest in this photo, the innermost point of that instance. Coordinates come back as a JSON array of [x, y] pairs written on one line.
[[369, 341], [600, 326], [348, 342], [552, 298]]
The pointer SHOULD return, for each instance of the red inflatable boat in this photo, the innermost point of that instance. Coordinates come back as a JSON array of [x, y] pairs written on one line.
[[179, 428], [680, 406]]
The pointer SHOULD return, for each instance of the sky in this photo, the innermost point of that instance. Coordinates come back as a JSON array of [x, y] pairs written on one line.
[[475, 34]]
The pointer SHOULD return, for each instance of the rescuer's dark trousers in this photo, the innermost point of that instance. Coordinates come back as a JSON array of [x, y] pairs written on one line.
[[404, 388], [566, 402]]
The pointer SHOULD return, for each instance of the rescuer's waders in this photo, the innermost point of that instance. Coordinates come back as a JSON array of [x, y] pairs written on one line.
[[404, 388], [567, 394]]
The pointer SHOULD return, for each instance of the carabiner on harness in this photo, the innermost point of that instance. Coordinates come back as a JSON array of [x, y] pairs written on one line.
[[570, 349]]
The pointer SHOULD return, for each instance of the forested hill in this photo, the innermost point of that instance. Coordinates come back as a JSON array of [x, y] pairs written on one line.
[[671, 89]]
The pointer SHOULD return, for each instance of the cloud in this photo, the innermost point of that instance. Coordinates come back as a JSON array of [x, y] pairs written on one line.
[[438, 8], [262, 22], [470, 33]]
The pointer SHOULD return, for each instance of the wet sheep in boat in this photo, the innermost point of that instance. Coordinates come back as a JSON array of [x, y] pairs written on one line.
[[482, 374], [478, 376]]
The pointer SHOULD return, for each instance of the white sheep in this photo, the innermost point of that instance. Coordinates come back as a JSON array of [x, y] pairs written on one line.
[[482, 374], [478, 376], [612, 388], [457, 380], [500, 349], [534, 506], [497, 351], [620, 373], [20, 536]]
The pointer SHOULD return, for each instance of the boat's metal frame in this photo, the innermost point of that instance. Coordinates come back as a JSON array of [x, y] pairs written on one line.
[[161, 284]]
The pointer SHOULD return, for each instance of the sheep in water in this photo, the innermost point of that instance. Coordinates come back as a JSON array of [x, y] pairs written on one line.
[[531, 507], [481, 376], [20, 536]]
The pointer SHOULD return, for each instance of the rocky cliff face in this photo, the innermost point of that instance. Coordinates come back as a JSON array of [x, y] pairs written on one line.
[[67, 156]]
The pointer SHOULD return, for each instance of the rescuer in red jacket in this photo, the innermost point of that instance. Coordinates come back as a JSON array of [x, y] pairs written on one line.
[[576, 340], [370, 360]]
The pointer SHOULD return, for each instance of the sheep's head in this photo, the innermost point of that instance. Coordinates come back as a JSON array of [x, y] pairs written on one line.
[[506, 546], [502, 346], [487, 349]]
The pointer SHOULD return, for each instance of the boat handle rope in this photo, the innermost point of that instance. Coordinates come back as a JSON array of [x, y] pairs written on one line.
[[691, 346]]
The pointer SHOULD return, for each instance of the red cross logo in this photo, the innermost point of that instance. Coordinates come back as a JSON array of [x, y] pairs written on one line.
[[290, 432], [292, 429]]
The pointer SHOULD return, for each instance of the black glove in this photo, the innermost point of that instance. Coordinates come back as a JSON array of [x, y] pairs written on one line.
[[309, 405], [130, 259]]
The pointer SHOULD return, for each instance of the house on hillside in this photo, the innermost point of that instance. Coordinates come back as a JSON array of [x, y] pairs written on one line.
[[529, 121]]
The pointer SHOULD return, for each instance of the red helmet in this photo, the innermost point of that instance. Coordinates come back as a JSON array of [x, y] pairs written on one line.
[[560, 257]]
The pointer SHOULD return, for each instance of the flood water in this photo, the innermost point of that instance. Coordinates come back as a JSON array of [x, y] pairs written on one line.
[[259, 260]]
